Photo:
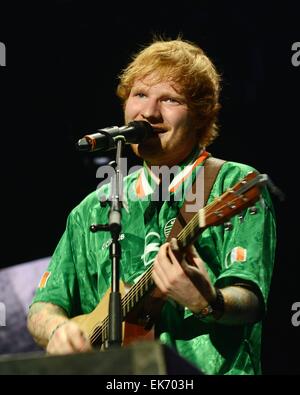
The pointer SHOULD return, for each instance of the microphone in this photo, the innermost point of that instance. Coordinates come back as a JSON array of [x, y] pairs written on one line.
[[104, 140]]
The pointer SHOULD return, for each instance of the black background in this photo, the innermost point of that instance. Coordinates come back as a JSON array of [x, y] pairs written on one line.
[[63, 58]]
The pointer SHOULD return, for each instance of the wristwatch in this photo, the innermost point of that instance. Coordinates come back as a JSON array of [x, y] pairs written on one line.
[[215, 309]]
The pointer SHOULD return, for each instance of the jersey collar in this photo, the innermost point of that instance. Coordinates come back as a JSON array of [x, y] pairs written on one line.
[[148, 180]]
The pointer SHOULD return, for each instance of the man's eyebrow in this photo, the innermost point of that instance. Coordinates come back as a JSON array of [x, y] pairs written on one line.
[[139, 85]]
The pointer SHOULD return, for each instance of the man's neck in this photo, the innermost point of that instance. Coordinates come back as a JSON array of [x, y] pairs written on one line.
[[188, 159]]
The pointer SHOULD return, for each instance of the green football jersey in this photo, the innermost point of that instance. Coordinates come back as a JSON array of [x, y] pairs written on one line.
[[79, 273]]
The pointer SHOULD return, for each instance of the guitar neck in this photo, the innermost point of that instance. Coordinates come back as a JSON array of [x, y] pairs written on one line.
[[230, 203], [144, 285]]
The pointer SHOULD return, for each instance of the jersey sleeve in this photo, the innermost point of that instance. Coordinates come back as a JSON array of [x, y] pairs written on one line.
[[58, 285], [246, 253]]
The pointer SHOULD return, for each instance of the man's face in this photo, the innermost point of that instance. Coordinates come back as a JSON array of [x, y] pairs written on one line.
[[166, 110]]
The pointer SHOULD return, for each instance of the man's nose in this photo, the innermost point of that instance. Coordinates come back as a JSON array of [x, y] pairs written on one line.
[[151, 111]]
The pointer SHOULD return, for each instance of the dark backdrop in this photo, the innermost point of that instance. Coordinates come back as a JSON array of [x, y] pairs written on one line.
[[59, 82]]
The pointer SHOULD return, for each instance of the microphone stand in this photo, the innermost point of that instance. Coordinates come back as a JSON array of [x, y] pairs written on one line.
[[114, 227]]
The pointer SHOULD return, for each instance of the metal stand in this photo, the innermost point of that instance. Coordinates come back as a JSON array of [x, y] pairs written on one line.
[[114, 227]]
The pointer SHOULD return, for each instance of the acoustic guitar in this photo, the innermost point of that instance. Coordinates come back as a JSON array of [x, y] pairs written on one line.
[[142, 302]]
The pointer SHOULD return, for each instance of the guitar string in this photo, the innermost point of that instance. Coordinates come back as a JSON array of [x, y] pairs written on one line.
[[195, 220], [98, 330], [236, 189], [194, 223]]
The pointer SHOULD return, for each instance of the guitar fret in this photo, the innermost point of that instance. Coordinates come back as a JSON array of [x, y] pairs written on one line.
[[141, 291], [202, 218], [125, 309], [102, 338]]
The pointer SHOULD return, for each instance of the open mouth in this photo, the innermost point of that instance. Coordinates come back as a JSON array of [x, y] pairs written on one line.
[[159, 130]]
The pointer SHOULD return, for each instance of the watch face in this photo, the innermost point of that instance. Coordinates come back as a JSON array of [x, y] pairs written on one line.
[[207, 310], [204, 312]]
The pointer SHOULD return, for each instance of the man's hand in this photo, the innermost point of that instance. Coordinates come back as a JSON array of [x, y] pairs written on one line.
[[52, 329], [68, 338], [187, 282]]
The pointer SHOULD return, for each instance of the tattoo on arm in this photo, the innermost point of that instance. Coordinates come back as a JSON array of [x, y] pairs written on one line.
[[41, 320], [242, 306]]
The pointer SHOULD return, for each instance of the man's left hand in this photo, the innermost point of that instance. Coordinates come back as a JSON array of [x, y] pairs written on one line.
[[187, 282]]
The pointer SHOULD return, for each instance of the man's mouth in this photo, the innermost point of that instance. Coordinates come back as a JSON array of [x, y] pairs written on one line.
[[159, 130]]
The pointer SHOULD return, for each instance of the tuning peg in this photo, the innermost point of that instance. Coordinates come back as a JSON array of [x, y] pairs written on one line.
[[228, 226], [241, 218], [253, 210]]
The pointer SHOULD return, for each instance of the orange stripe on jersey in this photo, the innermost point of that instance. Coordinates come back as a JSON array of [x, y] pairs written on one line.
[[240, 254], [139, 186], [44, 279], [201, 158]]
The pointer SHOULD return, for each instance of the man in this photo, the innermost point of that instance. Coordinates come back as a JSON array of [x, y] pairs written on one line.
[[216, 291]]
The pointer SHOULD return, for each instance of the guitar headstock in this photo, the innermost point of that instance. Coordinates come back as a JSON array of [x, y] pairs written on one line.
[[242, 195]]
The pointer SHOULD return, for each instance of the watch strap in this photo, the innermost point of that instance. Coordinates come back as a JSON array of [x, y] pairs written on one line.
[[215, 309]]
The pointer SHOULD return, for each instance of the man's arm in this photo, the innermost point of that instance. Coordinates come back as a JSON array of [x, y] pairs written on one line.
[[52, 329], [241, 304]]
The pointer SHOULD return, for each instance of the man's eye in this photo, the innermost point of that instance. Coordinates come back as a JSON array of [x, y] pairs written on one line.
[[140, 94], [171, 100]]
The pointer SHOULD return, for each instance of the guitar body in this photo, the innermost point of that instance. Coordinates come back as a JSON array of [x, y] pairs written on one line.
[[89, 323], [135, 332], [95, 324]]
